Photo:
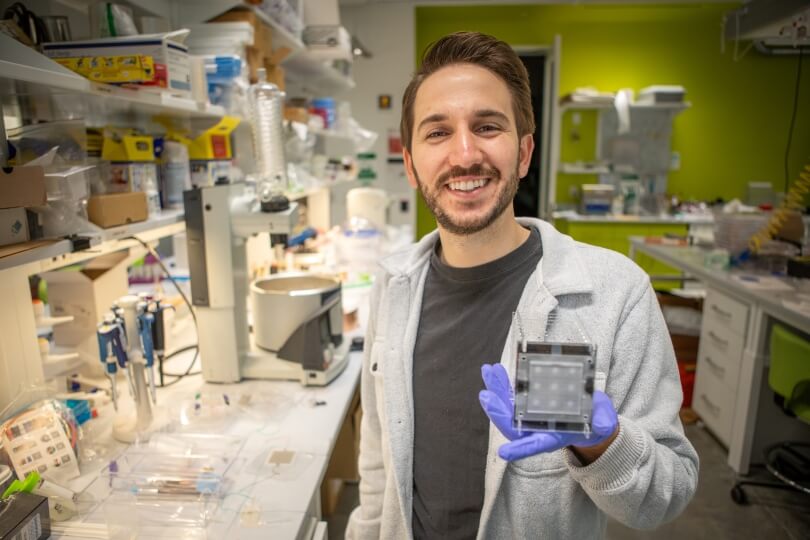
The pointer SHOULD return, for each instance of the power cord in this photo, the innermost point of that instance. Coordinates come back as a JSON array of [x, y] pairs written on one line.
[[179, 376], [793, 116]]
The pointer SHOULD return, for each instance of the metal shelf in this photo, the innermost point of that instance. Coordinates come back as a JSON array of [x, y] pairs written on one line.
[[60, 362], [331, 134], [281, 36], [59, 253], [298, 195], [313, 74], [24, 71], [595, 106], [580, 168]]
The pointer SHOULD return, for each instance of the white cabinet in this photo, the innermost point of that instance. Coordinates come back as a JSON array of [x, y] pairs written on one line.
[[321, 531], [722, 338]]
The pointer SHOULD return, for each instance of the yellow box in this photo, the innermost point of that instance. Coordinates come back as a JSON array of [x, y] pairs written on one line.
[[128, 148], [214, 143], [112, 69]]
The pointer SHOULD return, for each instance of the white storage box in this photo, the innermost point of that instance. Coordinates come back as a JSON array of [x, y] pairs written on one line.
[[170, 56], [329, 42], [661, 93], [220, 38]]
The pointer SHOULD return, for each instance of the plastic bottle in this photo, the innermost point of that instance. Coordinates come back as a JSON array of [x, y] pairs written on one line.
[[266, 103], [175, 173]]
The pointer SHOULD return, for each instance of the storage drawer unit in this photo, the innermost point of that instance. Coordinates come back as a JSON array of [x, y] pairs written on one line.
[[715, 404], [721, 353], [722, 339], [725, 312]]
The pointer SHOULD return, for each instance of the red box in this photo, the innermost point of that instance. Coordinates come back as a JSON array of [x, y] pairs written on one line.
[[687, 373]]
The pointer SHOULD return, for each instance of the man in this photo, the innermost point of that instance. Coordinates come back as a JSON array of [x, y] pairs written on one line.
[[432, 465]]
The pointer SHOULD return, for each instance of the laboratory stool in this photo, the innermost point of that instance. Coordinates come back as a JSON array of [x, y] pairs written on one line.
[[789, 378]]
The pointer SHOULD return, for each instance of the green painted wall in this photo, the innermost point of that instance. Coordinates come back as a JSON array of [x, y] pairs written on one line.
[[737, 128]]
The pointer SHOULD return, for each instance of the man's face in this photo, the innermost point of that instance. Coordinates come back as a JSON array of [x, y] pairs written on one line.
[[466, 158]]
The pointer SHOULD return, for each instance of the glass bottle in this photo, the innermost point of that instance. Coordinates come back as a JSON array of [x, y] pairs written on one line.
[[266, 104]]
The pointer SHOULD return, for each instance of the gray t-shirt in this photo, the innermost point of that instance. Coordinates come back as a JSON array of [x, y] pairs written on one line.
[[464, 323]]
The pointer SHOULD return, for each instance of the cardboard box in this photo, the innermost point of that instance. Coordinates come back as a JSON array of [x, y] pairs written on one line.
[[275, 74], [170, 57], [115, 209], [255, 59], [261, 52], [86, 293], [22, 187], [343, 462]]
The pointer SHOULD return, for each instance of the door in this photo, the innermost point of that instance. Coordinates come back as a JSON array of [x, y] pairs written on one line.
[[542, 64], [550, 148]]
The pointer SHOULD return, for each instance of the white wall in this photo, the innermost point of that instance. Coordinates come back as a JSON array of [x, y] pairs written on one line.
[[387, 30]]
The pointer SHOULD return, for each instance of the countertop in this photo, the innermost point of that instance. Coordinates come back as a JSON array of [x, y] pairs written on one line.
[[686, 219], [783, 298]]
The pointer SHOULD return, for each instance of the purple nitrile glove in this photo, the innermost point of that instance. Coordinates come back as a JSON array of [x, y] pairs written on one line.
[[498, 403]]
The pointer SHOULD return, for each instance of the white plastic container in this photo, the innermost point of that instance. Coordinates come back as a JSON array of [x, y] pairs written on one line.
[[368, 203]]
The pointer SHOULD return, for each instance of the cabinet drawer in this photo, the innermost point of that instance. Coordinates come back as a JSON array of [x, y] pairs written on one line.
[[721, 311], [721, 353], [714, 402]]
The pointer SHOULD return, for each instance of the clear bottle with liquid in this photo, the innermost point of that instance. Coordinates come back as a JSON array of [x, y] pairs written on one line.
[[267, 121]]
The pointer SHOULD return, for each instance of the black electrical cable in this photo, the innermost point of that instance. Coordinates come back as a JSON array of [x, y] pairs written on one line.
[[196, 350], [793, 116], [154, 254], [179, 376]]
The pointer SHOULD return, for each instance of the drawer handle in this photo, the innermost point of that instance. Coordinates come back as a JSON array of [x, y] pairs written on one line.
[[721, 312], [715, 410], [715, 366], [718, 339]]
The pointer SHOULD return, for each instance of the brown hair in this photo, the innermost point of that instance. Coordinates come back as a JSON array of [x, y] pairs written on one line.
[[480, 50]]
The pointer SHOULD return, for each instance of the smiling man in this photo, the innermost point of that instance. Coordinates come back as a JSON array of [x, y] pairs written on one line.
[[439, 457]]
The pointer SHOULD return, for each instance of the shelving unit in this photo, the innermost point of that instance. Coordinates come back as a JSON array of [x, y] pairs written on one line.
[[599, 105], [315, 76], [60, 253], [583, 168], [599, 165], [24, 71], [36, 88], [303, 194], [306, 70], [20, 361], [58, 363], [331, 134]]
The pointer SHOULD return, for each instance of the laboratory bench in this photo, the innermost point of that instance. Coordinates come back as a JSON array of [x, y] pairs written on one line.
[[614, 232], [731, 391], [678, 219], [266, 496]]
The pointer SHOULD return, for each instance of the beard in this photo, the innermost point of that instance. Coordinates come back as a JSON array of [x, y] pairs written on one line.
[[461, 226]]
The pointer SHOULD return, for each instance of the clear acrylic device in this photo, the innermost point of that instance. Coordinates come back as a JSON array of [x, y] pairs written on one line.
[[554, 385]]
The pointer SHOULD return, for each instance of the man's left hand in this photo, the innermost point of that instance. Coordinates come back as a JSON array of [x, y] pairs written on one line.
[[498, 403]]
